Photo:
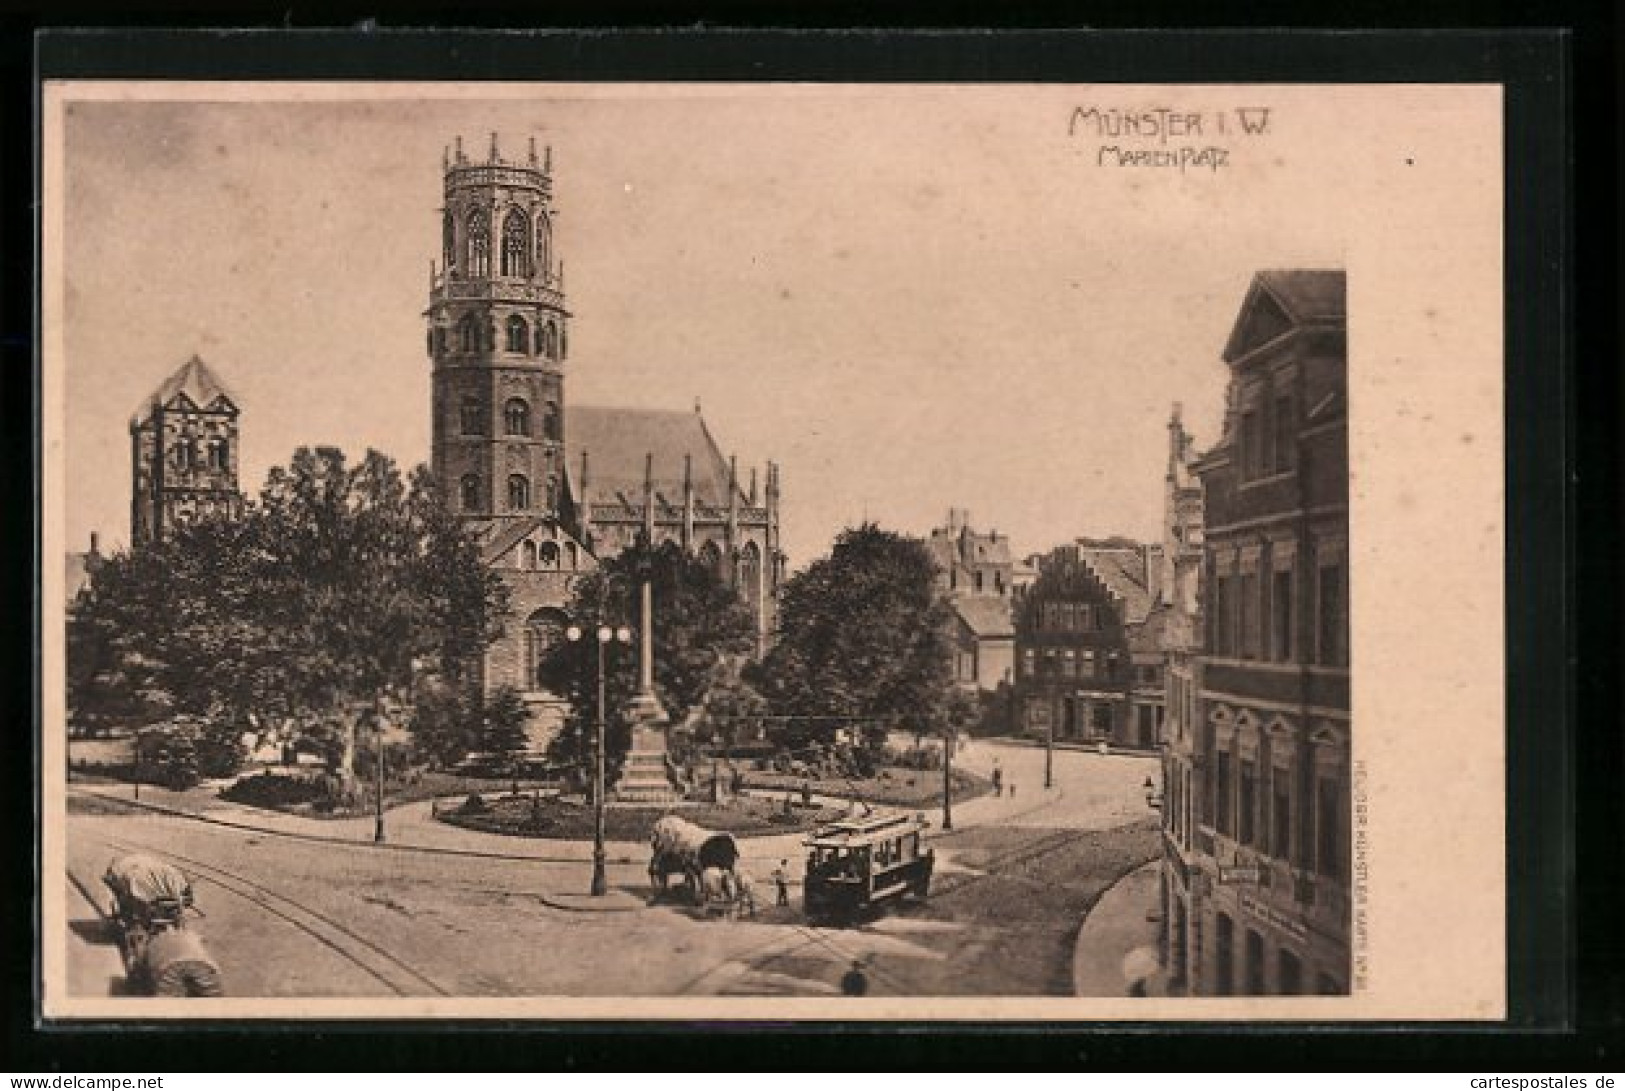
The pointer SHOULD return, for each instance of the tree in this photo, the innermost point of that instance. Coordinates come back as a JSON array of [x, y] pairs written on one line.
[[334, 590], [443, 723], [863, 633], [502, 727], [700, 624]]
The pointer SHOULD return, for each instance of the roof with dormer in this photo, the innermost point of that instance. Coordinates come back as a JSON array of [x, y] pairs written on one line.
[[1283, 299], [197, 384], [985, 615], [617, 440]]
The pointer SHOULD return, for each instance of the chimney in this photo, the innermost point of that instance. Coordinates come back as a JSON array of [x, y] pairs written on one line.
[[95, 542]]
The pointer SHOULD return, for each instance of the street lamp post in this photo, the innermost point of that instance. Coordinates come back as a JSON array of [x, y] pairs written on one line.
[[378, 812], [1049, 754], [948, 778], [600, 881]]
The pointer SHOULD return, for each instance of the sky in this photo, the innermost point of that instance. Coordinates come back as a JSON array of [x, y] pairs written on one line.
[[911, 298]]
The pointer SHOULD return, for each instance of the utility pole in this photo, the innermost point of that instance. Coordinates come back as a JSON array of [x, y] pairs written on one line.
[[947, 778], [378, 736]]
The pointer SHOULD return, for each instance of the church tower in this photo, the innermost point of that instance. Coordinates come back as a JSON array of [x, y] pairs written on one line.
[[183, 453], [498, 337]]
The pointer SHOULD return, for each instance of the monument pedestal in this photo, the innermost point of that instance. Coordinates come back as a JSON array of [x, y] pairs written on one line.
[[645, 777]]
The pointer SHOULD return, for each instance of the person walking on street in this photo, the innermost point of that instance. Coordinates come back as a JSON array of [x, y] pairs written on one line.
[[855, 982], [781, 882]]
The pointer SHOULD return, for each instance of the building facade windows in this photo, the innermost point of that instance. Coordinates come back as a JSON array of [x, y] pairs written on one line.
[[470, 489], [479, 244], [1289, 973], [1286, 434], [468, 333], [1281, 616], [1247, 832], [1224, 955], [550, 421], [1255, 964], [516, 417], [518, 335], [515, 244], [1329, 616], [471, 416], [1222, 789], [518, 492], [1281, 813], [1328, 832]]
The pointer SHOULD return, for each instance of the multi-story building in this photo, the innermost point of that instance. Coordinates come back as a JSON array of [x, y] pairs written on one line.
[[1074, 660], [1177, 587], [975, 571], [183, 442], [1269, 797], [548, 488]]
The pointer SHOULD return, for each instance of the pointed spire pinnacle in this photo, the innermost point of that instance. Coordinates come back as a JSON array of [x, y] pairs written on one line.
[[583, 470], [696, 403], [532, 156], [753, 486], [688, 474], [459, 155], [494, 155], [547, 160], [445, 158]]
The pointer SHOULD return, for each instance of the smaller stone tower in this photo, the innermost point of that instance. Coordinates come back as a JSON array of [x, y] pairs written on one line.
[[183, 449]]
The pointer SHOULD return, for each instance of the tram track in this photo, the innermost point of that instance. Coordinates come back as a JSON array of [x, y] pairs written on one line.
[[388, 969]]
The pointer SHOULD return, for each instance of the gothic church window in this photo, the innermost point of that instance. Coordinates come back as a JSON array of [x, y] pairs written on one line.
[[516, 415], [544, 246], [527, 555], [471, 492], [218, 455], [518, 334], [552, 493], [550, 421], [449, 241], [479, 244], [468, 334], [515, 245], [473, 416], [518, 492], [549, 341], [549, 556]]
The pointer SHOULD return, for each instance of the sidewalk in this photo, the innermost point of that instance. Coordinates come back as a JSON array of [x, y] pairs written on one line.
[[1113, 929]]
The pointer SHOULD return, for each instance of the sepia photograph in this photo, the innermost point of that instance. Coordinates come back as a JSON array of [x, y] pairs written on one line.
[[796, 551]]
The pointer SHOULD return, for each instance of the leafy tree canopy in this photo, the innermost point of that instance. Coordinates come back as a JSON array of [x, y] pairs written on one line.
[[339, 585], [864, 632]]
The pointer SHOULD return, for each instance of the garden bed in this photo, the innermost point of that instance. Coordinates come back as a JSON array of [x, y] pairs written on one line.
[[561, 819], [304, 794], [893, 786]]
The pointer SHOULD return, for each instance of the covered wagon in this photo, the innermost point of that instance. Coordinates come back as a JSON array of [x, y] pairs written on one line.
[[704, 858], [162, 956]]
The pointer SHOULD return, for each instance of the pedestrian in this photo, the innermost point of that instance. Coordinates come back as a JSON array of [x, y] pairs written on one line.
[[781, 882], [1012, 789], [806, 793], [998, 782], [855, 982]]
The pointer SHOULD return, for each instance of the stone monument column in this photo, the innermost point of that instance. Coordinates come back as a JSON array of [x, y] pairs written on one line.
[[645, 775]]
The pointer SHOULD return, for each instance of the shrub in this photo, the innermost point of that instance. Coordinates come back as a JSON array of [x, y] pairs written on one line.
[[474, 804], [276, 790]]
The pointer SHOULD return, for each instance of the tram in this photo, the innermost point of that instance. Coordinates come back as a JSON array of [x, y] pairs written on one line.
[[861, 863]]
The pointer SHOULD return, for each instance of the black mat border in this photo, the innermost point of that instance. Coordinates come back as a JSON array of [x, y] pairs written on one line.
[[1550, 458]]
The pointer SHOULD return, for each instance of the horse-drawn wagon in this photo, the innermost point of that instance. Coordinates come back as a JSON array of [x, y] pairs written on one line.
[[706, 860], [162, 956]]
